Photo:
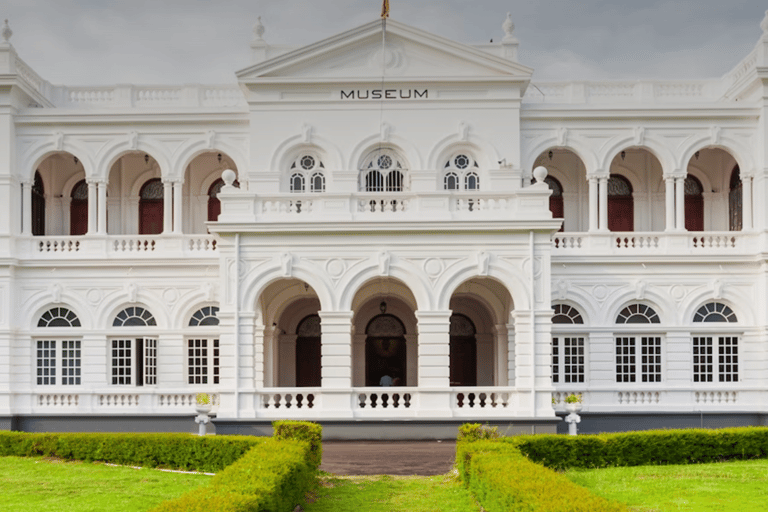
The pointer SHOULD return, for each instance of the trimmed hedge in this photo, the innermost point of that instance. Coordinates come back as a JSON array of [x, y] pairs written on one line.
[[302, 431], [652, 447], [273, 477], [517, 473], [177, 451], [502, 479], [254, 474]]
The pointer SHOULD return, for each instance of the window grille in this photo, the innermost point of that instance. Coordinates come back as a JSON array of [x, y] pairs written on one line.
[[650, 363], [205, 316], [625, 359], [46, 362], [728, 358], [715, 312], [702, 359], [70, 362], [122, 362], [134, 316]]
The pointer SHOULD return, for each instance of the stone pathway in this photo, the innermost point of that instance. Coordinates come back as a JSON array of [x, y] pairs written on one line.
[[424, 458]]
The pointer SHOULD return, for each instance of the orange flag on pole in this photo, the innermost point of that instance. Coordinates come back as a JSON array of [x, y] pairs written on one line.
[[385, 9]]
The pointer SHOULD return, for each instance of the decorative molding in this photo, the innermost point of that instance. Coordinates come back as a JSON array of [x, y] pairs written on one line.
[[463, 131], [384, 262], [483, 263], [639, 136], [286, 264]]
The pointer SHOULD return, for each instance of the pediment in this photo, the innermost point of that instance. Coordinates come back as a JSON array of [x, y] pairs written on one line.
[[370, 52]]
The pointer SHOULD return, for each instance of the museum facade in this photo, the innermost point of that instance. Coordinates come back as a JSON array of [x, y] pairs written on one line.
[[385, 227]]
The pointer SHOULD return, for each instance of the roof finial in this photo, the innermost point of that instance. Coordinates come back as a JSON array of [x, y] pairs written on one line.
[[6, 32], [508, 27], [258, 30], [763, 24]]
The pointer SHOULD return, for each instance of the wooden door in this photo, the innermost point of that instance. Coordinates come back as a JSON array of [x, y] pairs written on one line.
[[150, 217], [308, 357]]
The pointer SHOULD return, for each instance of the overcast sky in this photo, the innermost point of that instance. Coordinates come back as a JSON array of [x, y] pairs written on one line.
[[96, 42]]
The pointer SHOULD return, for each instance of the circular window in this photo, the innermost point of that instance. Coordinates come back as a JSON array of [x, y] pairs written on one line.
[[461, 161], [385, 162], [307, 162]]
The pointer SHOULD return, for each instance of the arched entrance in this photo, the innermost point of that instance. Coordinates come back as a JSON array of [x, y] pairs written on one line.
[[621, 208], [151, 208], [463, 351], [78, 209], [385, 351], [308, 352], [694, 204], [735, 198], [38, 206]]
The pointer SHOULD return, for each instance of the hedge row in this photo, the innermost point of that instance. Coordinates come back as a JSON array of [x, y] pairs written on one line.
[[307, 431], [690, 446], [273, 477], [518, 473], [502, 479], [178, 451]]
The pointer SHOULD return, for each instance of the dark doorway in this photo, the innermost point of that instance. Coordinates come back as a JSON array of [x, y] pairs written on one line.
[[735, 199], [556, 199], [78, 209], [385, 352], [694, 204], [38, 206], [621, 207], [463, 351], [151, 208], [308, 352]]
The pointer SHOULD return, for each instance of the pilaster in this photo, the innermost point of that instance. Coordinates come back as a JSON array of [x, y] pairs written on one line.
[[336, 362]]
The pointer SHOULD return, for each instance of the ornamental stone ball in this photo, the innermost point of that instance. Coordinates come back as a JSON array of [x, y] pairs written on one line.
[[228, 175], [540, 173]]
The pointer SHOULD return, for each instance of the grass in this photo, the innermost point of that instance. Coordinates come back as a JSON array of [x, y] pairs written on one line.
[[740, 486], [35, 484], [383, 493]]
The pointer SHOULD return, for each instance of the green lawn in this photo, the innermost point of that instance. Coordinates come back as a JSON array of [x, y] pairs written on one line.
[[384, 493], [34, 484], [740, 486]]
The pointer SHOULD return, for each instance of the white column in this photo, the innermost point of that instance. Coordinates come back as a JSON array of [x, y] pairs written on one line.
[[177, 206], [336, 363], [746, 203], [602, 189], [102, 207], [593, 204], [680, 203], [669, 182], [258, 353], [92, 208], [434, 363], [511, 355], [26, 210], [167, 206]]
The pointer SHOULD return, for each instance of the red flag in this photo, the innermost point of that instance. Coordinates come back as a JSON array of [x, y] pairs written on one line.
[[385, 9]]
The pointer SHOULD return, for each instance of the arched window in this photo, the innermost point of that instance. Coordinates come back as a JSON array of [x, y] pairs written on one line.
[[202, 351], [715, 312], [694, 204], [383, 169], [38, 206], [385, 351], [134, 359], [134, 316], [317, 182], [297, 182], [461, 172], [58, 317], [151, 207], [395, 181], [463, 351], [637, 314], [565, 314], [307, 168], [471, 181], [374, 182], [205, 316], [621, 209], [78, 209], [308, 352], [451, 181], [735, 201]]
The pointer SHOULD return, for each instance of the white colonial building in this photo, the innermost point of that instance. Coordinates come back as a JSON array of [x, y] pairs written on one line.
[[354, 232]]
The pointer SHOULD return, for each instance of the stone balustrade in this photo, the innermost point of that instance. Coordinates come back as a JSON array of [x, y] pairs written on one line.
[[613, 92], [116, 247], [148, 97], [661, 243]]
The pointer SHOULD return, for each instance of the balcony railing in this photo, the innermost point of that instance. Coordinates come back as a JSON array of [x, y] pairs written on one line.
[[649, 243], [116, 246]]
